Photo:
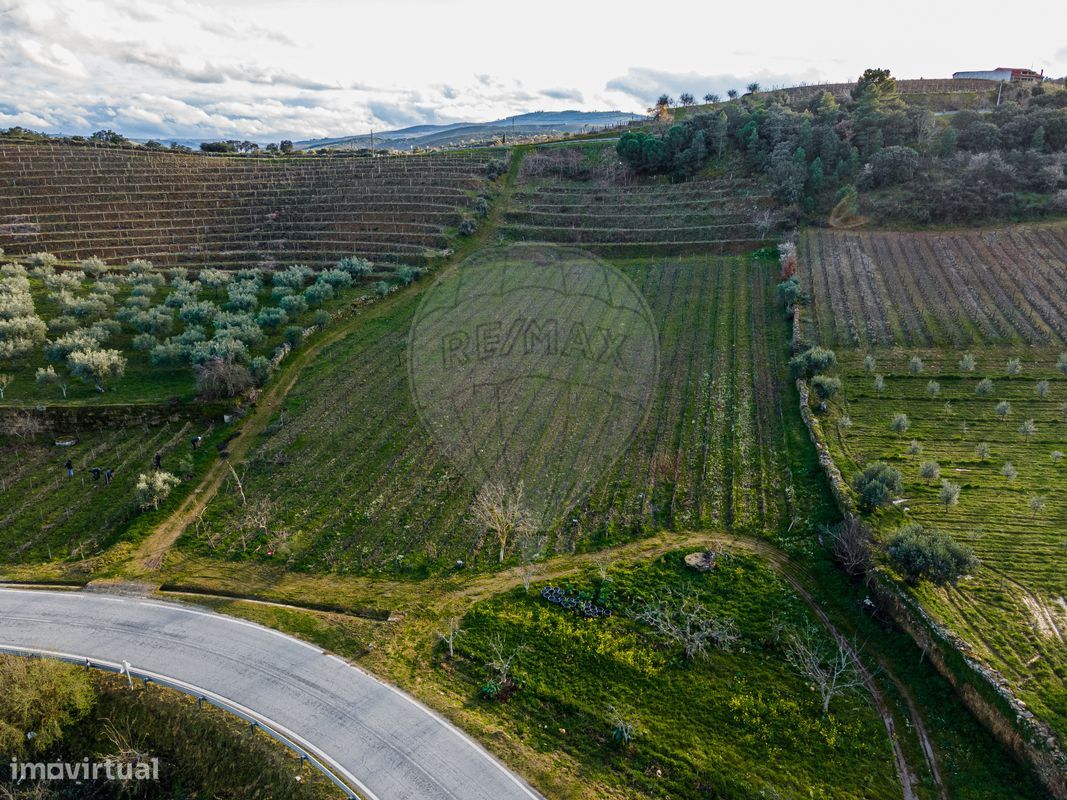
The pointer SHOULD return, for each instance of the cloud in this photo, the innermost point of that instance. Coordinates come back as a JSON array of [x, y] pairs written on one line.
[[646, 84], [53, 57], [564, 94]]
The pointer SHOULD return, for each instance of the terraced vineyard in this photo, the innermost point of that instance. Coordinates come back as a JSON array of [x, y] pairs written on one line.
[[579, 195], [1005, 285], [354, 484], [189, 209], [903, 311]]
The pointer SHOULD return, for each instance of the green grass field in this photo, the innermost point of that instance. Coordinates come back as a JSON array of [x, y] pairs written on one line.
[[742, 724], [1011, 610]]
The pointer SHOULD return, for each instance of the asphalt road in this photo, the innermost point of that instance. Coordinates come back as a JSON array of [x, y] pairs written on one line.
[[386, 744]]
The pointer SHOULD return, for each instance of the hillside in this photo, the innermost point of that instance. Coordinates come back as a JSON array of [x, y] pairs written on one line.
[[518, 127], [668, 633]]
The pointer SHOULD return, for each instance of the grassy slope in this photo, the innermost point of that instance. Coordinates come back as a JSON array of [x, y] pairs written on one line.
[[1022, 551]]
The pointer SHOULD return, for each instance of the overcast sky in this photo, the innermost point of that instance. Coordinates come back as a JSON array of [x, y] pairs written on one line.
[[269, 69]]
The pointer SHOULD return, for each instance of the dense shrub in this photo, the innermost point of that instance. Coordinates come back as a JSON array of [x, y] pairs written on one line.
[[877, 485], [919, 552], [816, 359]]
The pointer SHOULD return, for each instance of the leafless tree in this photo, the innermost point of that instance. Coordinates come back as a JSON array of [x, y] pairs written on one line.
[[257, 516], [690, 623], [240, 486], [502, 511], [24, 425], [449, 637], [832, 669], [501, 659], [852, 546]]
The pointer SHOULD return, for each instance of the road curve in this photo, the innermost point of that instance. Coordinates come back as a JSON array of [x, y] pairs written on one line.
[[387, 744]]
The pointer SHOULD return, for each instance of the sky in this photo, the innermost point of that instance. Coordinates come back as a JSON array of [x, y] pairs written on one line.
[[271, 69]]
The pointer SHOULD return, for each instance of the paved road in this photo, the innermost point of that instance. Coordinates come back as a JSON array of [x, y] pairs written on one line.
[[387, 744]]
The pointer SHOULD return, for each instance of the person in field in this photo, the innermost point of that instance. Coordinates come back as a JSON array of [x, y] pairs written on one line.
[[69, 466], [158, 460], [96, 473], [108, 475]]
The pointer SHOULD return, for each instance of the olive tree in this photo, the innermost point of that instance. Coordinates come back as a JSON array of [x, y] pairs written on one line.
[[919, 552], [97, 367], [967, 363], [1042, 389], [982, 450], [154, 487], [1009, 471], [900, 423], [1028, 428], [1003, 409], [47, 376], [877, 485], [984, 388], [949, 494], [915, 365], [929, 470], [1014, 366]]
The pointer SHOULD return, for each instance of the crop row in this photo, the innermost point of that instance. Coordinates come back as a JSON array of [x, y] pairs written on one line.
[[356, 484], [44, 514], [876, 289]]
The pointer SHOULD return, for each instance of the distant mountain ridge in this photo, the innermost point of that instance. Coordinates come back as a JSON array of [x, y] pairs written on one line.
[[458, 133]]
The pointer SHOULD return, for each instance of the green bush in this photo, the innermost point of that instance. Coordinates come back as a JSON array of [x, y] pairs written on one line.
[[919, 552], [817, 359], [877, 485]]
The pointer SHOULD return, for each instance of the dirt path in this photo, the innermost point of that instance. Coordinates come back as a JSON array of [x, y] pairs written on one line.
[[149, 556], [793, 573], [456, 601]]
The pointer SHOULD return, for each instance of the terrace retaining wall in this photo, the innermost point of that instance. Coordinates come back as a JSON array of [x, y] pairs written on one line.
[[59, 420], [984, 691]]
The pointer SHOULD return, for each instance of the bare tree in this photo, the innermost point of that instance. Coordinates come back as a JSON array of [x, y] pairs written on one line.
[[501, 660], [240, 486], [852, 546], [24, 425], [530, 549], [449, 637], [831, 669], [503, 512], [690, 623]]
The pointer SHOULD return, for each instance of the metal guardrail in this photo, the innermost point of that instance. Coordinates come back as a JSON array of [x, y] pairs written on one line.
[[307, 752]]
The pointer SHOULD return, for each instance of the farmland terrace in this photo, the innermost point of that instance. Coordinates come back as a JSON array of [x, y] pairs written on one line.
[[581, 195], [961, 334], [190, 209]]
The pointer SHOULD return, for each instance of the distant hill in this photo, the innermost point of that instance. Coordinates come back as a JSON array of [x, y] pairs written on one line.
[[458, 133]]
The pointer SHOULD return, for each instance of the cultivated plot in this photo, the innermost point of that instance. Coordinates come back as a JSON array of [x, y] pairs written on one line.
[[1006, 285], [346, 478]]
